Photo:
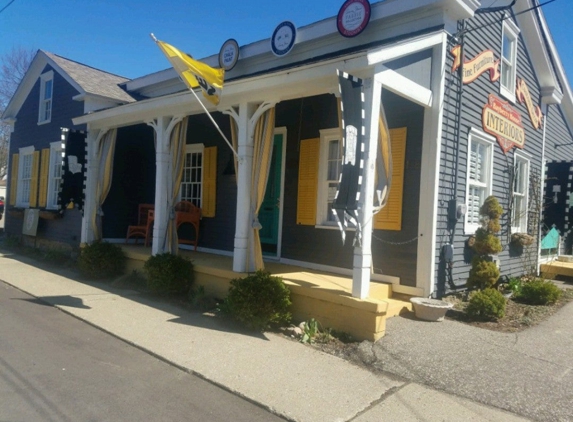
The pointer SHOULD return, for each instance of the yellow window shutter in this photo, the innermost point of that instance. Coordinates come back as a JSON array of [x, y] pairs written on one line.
[[44, 174], [307, 181], [209, 182], [390, 217], [14, 179], [34, 180]]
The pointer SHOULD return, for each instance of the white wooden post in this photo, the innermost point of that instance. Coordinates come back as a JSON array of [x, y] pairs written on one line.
[[92, 174], [363, 253], [245, 169], [162, 160]]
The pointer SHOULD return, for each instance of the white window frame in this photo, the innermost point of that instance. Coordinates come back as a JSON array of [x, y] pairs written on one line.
[[477, 136], [326, 136], [55, 161], [46, 104], [22, 194], [194, 149], [522, 226], [512, 31]]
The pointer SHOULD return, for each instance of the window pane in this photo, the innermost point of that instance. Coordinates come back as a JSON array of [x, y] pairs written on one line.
[[506, 74], [518, 210], [48, 90], [334, 161], [507, 48], [333, 150], [192, 174], [519, 185]]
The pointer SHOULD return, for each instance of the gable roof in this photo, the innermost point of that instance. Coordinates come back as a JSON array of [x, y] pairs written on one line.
[[87, 80], [93, 81]]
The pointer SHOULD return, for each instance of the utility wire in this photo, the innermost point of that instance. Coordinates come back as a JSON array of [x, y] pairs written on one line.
[[5, 7], [507, 17]]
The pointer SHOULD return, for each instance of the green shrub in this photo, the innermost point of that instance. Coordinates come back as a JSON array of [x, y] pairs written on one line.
[[483, 274], [102, 260], [56, 256], [168, 274], [515, 285], [539, 292], [487, 304], [258, 301], [12, 242]]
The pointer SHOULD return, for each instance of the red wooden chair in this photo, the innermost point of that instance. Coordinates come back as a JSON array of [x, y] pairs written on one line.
[[144, 222], [186, 212]]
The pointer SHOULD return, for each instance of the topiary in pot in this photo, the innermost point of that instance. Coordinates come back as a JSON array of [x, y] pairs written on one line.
[[484, 272], [101, 260], [258, 301], [168, 274], [487, 304]]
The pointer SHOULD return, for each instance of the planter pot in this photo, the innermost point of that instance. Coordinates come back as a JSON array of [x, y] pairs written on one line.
[[430, 309], [50, 215], [16, 213]]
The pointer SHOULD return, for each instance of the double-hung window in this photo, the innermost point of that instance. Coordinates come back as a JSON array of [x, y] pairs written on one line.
[[24, 177], [192, 181], [520, 195], [54, 175], [330, 166], [46, 95], [479, 177], [510, 34]]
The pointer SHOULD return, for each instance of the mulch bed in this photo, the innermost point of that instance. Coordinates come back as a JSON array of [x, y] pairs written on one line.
[[518, 316]]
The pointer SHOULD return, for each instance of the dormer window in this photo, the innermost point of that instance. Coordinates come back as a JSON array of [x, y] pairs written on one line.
[[46, 94], [510, 33]]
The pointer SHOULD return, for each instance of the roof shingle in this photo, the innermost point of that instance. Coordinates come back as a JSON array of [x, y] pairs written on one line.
[[94, 81]]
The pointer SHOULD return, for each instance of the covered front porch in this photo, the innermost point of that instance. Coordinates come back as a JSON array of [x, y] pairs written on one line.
[[322, 295]]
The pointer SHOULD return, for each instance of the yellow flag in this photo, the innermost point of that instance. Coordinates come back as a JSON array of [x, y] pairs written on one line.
[[195, 73]]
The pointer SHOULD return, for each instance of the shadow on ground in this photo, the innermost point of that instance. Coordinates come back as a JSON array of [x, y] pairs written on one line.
[[183, 313]]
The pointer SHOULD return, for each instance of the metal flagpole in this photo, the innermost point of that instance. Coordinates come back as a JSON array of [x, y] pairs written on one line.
[[216, 125]]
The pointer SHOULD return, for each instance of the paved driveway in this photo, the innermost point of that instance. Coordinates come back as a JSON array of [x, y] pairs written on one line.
[[528, 373]]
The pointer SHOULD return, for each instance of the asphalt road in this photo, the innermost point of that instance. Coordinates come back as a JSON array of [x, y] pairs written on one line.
[[54, 367]]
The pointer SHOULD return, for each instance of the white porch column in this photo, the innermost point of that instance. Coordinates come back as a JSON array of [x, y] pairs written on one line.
[[363, 253], [246, 120], [163, 126], [244, 172], [92, 174]]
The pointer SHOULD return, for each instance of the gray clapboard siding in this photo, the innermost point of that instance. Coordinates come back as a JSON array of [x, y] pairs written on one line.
[[475, 96]]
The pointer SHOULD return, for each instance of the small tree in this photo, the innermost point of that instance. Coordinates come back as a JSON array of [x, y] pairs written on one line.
[[484, 273], [13, 67]]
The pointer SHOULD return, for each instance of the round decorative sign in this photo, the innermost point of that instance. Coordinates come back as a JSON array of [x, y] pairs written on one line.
[[283, 39], [353, 17], [229, 54]]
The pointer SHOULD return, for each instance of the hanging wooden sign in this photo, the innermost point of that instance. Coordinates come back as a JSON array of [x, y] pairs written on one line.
[[504, 122], [523, 96], [484, 61]]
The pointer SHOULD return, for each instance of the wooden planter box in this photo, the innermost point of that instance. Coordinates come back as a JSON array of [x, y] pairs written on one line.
[[18, 213], [50, 215]]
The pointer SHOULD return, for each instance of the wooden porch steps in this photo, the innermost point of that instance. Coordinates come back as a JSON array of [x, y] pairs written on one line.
[[552, 269]]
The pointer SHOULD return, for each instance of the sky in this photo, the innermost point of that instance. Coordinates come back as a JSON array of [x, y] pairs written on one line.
[[113, 35]]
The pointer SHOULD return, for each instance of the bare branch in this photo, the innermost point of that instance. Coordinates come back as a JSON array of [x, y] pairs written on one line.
[[13, 68]]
